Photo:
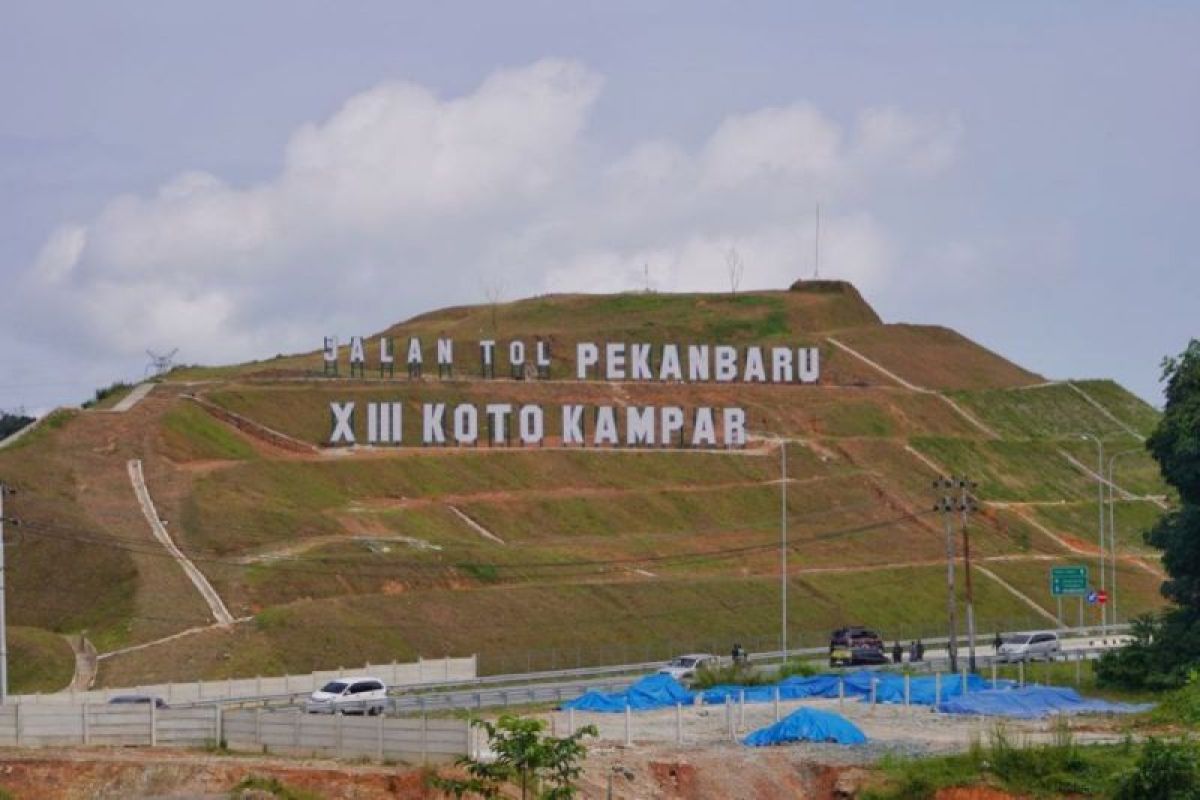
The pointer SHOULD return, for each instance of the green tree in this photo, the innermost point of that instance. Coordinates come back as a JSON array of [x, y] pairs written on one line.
[[1164, 658], [541, 766]]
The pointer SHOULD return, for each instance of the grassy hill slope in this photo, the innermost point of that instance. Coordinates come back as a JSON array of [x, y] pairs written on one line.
[[549, 556]]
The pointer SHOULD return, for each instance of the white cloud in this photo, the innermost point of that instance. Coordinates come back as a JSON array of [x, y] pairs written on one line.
[[403, 199]]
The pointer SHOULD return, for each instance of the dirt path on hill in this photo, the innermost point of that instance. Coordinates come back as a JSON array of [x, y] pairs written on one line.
[[98, 446], [85, 663], [132, 399], [962, 412], [216, 605]]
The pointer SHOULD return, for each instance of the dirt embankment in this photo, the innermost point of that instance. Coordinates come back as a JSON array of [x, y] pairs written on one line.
[[133, 774]]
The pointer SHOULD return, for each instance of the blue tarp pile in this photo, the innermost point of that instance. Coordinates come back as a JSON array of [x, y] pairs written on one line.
[[652, 691], [1035, 701], [807, 725], [923, 690]]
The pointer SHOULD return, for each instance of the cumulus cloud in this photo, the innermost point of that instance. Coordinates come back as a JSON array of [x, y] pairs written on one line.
[[403, 199]]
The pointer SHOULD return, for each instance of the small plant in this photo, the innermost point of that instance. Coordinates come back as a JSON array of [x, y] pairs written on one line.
[[542, 767], [272, 786]]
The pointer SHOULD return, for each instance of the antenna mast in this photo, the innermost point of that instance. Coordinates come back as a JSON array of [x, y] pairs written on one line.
[[817, 246]]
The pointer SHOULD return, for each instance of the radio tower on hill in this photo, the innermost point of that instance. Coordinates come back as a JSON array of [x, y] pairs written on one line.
[[160, 364]]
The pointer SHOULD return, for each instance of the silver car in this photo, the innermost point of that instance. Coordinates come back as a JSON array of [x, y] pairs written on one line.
[[1041, 646], [354, 695]]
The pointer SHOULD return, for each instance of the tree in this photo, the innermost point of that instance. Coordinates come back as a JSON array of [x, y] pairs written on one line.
[[542, 767], [12, 422], [1164, 658], [735, 267]]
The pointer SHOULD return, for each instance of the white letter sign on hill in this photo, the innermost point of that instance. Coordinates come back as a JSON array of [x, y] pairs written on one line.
[[524, 424]]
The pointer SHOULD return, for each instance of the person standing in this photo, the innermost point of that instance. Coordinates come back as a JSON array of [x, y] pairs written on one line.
[[897, 652]]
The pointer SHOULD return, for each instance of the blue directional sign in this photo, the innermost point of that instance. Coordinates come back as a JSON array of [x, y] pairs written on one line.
[[1093, 596]]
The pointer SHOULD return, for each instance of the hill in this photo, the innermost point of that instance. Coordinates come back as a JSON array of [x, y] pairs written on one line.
[[552, 554]]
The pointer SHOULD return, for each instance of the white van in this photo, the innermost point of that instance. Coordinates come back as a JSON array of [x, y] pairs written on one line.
[[353, 695], [1043, 645]]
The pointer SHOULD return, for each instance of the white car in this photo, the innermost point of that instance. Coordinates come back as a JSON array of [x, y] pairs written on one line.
[[683, 668], [1043, 645], [353, 695]]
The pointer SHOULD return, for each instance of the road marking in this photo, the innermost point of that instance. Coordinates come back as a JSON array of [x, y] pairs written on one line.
[[138, 479]]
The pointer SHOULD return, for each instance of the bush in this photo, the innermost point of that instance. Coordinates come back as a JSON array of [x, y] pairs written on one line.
[[796, 668], [104, 392], [739, 674], [1164, 771]]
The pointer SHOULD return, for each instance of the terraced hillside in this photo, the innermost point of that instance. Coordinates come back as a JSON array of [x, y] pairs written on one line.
[[554, 556]]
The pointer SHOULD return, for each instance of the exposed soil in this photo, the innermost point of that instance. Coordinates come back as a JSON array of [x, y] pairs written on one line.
[[128, 774]]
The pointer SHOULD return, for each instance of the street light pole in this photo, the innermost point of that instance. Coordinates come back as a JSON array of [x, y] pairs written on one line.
[[1112, 524], [4, 490], [1100, 511], [783, 567]]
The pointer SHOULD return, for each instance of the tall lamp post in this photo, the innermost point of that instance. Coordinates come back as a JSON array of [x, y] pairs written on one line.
[[1100, 511], [783, 560], [1112, 524]]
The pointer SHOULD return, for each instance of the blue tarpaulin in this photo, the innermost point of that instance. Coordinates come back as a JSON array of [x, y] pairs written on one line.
[[1035, 701], [652, 691], [807, 725], [922, 690]]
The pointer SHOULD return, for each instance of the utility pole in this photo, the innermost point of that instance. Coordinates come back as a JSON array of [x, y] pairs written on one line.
[[967, 505], [1112, 527], [783, 568], [4, 490], [946, 505]]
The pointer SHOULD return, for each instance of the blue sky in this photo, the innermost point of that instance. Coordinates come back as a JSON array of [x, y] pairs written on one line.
[[240, 179]]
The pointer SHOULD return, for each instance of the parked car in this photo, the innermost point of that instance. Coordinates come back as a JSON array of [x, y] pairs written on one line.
[[131, 699], [684, 668], [352, 695], [1043, 645], [855, 646]]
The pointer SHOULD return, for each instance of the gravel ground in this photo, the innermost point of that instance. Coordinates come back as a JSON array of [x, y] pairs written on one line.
[[890, 729]]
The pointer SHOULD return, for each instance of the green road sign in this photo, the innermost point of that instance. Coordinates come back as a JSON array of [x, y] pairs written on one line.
[[1068, 581]]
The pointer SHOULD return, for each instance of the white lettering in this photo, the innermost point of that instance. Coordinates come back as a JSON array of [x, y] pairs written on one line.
[[343, 423], [445, 352], [498, 413], [639, 362], [488, 346], [532, 424], [586, 355], [542, 354], [516, 353], [703, 431], [614, 361], [572, 421], [808, 360], [331, 348], [754, 366], [357, 351], [414, 351], [735, 427], [670, 370], [639, 425], [672, 423], [697, 362], [385, 350], [781, 365], [432, 429], [726, 369], [606, 426], [466, 424]]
